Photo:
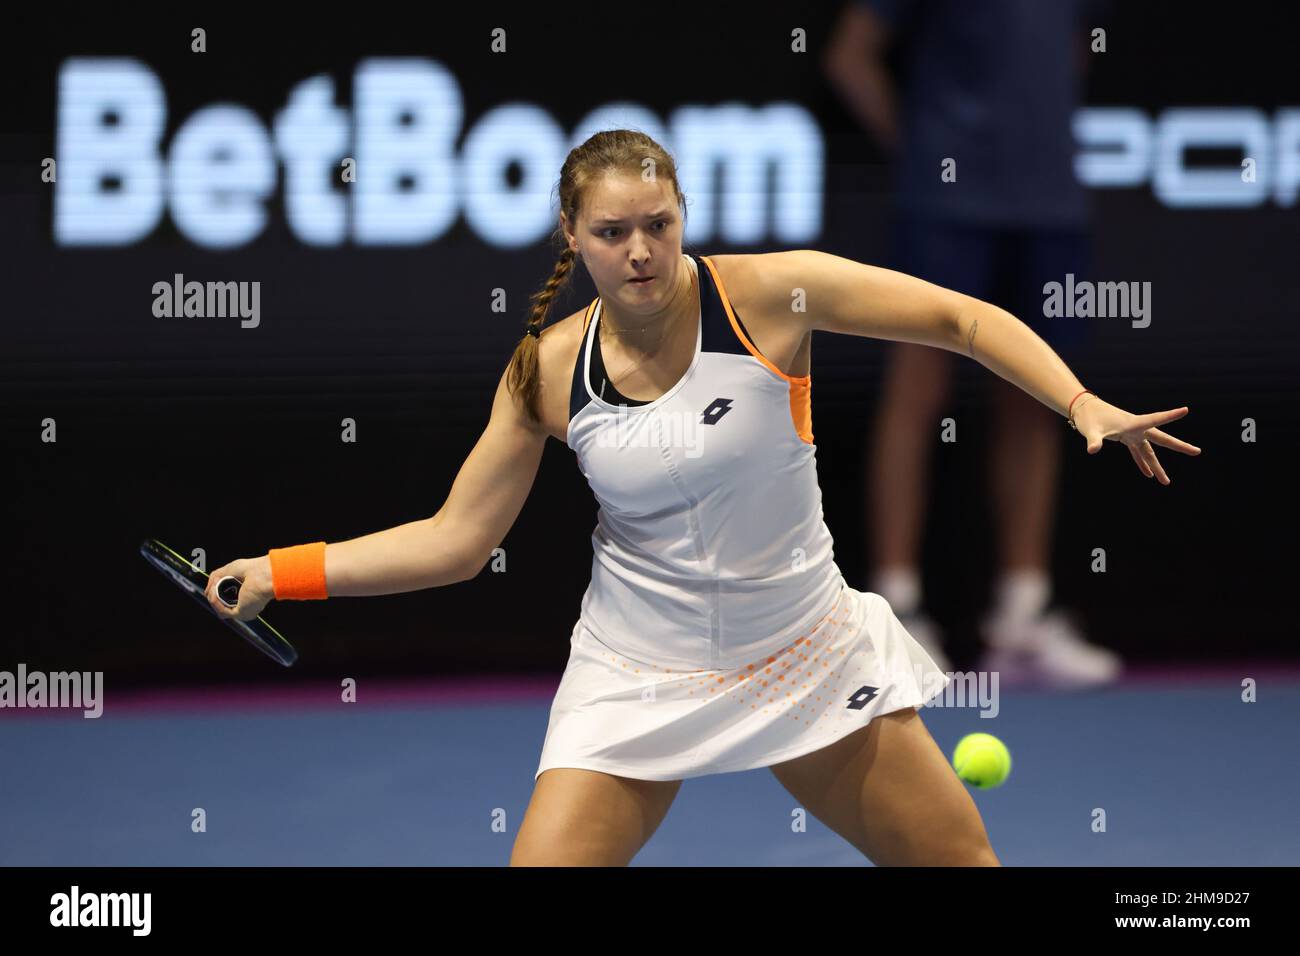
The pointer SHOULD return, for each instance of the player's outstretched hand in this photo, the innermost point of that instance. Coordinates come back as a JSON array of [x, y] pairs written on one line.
[[255, 589], [1098, 421]]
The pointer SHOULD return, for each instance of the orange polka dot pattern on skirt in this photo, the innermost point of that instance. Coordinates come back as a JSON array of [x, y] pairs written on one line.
[[639, 719]]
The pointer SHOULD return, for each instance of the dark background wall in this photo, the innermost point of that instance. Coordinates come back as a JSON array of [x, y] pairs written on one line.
[[211, 436]]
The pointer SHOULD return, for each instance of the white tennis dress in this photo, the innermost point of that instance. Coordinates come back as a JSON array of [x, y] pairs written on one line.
[[717, 633]]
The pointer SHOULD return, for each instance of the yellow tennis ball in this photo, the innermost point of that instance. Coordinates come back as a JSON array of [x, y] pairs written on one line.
[[981, 760]]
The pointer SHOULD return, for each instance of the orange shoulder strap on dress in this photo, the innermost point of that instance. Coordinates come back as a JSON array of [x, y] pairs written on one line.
[[298, 573]]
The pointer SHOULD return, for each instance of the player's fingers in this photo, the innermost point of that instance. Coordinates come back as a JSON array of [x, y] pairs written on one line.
[[1142, 466], [235, 569], [217, 574], [1169, 441], [211, 590], [1153, 462], [1161, 418]]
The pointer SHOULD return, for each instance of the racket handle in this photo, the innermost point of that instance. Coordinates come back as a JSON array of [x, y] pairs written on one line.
[[228, 591]]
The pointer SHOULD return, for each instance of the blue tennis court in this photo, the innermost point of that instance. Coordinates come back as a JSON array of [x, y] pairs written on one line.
[[1186, 772]]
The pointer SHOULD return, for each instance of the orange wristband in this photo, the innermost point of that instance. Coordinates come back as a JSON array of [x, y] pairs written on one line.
[[298, 573]]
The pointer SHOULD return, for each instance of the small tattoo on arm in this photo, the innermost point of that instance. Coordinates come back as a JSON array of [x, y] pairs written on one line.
[[970, 339]]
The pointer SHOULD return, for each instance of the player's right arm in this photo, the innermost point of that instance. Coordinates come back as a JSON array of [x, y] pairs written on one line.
[[452, 545], [455, 543]]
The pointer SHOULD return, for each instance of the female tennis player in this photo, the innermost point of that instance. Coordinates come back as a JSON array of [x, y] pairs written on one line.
[[717, 633]]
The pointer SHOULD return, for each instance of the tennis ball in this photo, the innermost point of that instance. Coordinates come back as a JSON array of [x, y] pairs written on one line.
[[981, 760]]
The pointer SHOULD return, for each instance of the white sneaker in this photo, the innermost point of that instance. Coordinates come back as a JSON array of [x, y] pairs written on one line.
[[929, 635], [1049, 649]]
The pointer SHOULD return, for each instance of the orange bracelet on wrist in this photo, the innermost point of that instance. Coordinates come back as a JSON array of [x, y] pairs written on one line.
[[298, 573]]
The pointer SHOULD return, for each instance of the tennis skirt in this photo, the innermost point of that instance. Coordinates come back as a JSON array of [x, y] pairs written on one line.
[[633, 718]]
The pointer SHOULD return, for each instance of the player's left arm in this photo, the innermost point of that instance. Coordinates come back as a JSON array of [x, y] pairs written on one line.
[[853, 298]]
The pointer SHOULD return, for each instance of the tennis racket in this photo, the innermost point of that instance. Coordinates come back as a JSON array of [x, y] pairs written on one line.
[[195, 582]]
